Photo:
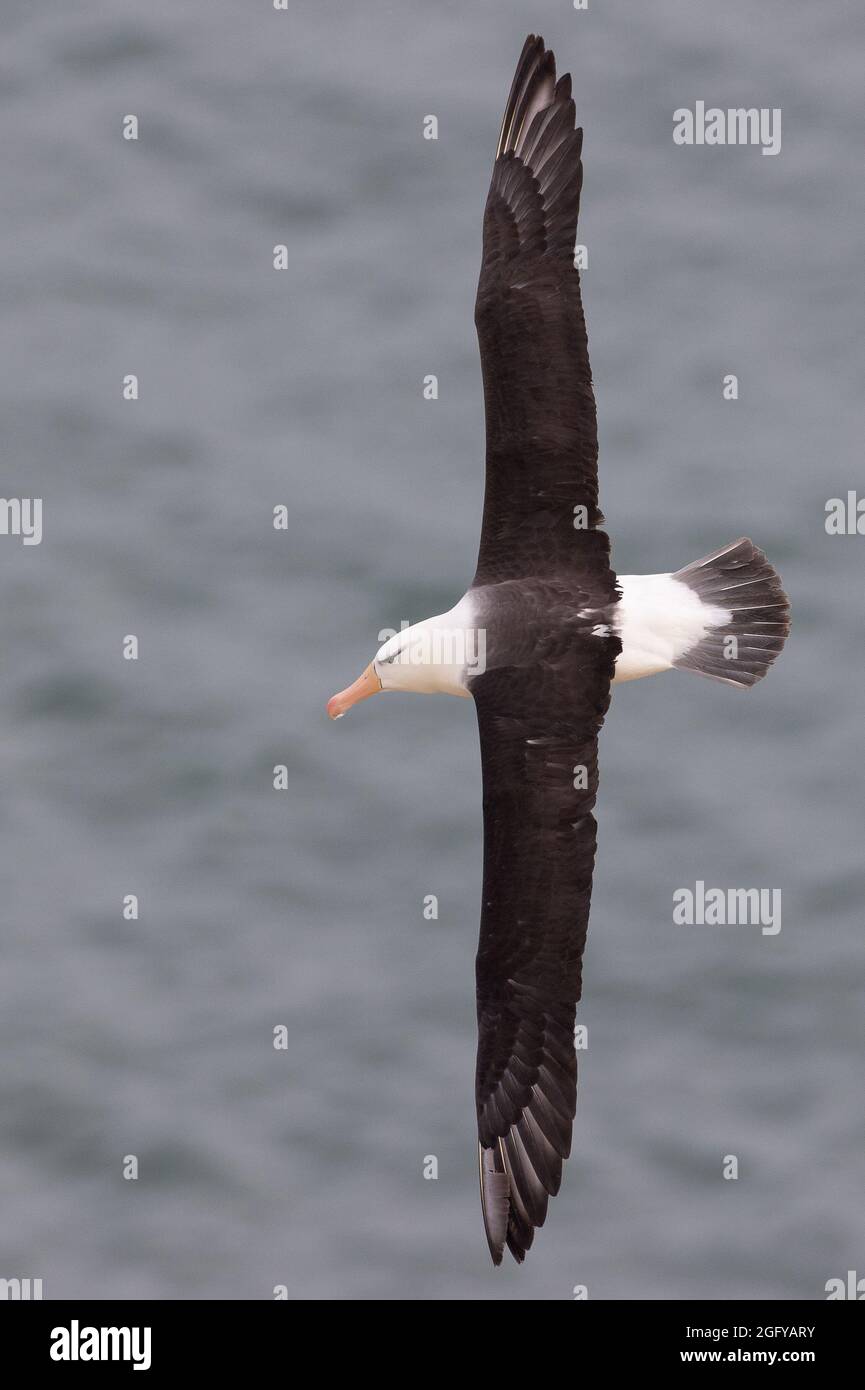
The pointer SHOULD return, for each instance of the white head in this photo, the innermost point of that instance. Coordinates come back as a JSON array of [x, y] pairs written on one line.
[[423, 658]]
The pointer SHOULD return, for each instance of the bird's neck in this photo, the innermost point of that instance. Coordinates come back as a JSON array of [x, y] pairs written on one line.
[[440, 654]]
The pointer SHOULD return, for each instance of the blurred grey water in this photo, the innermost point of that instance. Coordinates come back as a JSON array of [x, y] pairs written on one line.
[[303, 908]]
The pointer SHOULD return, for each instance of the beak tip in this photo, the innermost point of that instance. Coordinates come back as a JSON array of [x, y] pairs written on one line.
[[364, 686]]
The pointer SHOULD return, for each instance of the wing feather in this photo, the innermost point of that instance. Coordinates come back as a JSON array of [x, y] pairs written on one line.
[[540, 407], [537, 723]]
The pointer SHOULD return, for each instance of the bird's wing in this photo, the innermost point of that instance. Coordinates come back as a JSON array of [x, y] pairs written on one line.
[[542, 441], [538, 729]]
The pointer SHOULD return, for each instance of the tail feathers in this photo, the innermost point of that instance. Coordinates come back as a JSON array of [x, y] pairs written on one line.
[[739, 580]]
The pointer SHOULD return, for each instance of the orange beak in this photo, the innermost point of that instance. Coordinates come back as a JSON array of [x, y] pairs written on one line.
[[365, 685]]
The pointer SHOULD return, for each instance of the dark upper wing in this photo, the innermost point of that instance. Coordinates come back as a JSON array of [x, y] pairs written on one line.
[[542, 442], [538, 726]]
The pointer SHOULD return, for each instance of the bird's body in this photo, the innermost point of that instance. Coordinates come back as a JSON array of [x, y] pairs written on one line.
[[542, 634], [658, 619]]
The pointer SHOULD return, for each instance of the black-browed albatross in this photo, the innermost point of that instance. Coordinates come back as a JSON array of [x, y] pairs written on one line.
[[544, 630]]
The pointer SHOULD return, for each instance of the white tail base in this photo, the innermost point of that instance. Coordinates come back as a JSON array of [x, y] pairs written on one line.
[[659, 619]]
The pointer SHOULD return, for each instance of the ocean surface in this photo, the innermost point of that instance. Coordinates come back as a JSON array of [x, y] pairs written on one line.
[[302, 909]]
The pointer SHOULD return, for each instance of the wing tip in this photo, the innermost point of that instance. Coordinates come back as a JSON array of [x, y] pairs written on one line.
[[515, 1190], [538, 130], [495, 1199], [533, 89]]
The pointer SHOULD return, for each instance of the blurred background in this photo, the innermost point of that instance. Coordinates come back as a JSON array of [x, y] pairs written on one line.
[[303, 1167]]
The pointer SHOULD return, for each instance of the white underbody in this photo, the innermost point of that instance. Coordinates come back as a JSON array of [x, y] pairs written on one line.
[[658, 619]]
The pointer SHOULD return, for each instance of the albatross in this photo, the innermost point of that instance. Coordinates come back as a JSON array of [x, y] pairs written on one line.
[[544, 631]]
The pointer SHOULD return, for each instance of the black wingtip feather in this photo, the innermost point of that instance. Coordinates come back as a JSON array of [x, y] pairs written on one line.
[[537, 132], [533, 89], [495, 1199]]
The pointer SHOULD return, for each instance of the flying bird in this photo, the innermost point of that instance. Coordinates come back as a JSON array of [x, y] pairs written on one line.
[[542, 634]]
